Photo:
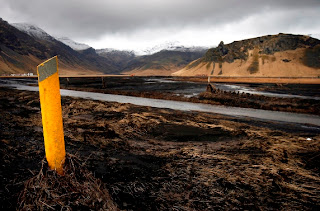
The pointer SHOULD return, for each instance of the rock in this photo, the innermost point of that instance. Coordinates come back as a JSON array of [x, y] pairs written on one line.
[[222, 48], [211, 88]]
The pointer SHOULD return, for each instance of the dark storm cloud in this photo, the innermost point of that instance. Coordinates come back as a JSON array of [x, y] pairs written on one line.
[[93, 18]]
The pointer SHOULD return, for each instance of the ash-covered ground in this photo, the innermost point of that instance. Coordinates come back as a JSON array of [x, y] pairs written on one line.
[[161, 159]]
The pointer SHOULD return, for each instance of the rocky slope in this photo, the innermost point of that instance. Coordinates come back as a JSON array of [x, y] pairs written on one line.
[[282, 55], [24, 47]]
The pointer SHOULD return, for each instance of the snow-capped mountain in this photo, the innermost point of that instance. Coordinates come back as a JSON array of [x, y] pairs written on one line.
[[166, 56], [315, 35], [113, 51], [119, 58], [39, 33], [74, 45], [33, 31], [169, 46]]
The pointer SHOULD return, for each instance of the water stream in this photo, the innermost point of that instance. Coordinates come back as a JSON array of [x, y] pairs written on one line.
[[187, 106]]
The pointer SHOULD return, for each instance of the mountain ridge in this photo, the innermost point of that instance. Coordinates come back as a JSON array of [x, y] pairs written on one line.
[[23, 46], [36, 45]]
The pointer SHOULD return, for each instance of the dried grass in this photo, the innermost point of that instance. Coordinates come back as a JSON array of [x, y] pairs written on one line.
[[77, 189]]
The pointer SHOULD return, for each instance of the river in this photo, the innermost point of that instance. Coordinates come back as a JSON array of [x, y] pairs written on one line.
[[186, 106]]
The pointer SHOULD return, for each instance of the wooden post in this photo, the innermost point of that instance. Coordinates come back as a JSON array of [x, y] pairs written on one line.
[[50, 101]]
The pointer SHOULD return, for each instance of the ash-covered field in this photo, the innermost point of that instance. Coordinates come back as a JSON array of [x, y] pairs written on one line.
[[159, 159]]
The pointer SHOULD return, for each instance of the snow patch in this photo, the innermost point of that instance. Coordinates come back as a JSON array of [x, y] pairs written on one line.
[[170, 46], [72, 44], [115, 51], [33, 31]]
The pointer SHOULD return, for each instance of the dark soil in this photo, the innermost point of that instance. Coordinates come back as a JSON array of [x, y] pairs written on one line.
[[160, 159]]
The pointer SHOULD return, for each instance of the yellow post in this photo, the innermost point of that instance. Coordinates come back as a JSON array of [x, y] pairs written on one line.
[[50, 100]]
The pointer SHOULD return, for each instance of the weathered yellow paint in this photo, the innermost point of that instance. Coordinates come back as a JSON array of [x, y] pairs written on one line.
[[50, 100]]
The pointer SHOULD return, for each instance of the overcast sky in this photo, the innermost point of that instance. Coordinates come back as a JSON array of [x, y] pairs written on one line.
[[136, 24]]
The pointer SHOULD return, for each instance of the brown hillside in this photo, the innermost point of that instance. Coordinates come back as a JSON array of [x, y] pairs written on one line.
[[281, 55]]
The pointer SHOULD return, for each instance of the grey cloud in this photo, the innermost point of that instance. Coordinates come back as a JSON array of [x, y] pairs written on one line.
[[94, 18]]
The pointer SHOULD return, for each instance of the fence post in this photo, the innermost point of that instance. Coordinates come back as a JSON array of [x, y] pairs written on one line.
[[50, 101]]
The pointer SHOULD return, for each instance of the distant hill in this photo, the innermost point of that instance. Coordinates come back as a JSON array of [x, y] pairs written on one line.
[[169, 46], [23, 47], [158, 60], [118, 58], [164, 62], [272, 55]]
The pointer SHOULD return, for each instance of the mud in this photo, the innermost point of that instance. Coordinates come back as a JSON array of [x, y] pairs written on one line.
[[160, 159]]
